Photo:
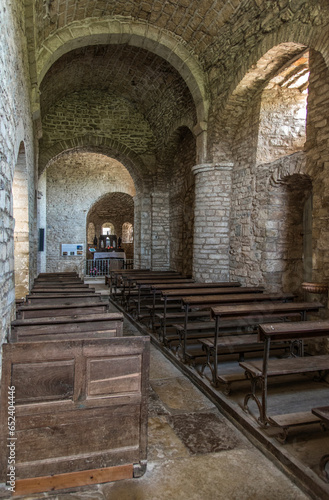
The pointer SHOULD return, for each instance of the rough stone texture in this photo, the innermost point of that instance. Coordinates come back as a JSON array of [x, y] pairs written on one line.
[[15, 137], [211, 223], [124, 79], [72, 183], [116, 209], [181, 202]]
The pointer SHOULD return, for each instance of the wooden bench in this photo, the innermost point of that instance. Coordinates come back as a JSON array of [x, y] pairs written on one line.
[[126, 280], [260, 370], [252, 315], [197, 294], [44, 310], [60, 327], [245, 294], [323, 414], [62, 298], [60, 286], [59, 290], [83, 405], [159, 276], [114, 275], [145, 286]]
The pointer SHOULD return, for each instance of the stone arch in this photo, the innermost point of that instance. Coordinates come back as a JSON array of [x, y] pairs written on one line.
[[292, 38], [102, 145], [287, 167], [254, 80], [136, 33], [279, 220], [20, 212]]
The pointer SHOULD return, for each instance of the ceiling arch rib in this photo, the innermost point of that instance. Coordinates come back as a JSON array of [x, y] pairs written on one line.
[[93, 32], [107, 147]]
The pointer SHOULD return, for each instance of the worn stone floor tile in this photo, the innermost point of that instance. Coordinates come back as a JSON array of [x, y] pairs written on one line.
[[204, 432], [163, 442], [180, 394], [155, 405], [231, 475], [160, 367]]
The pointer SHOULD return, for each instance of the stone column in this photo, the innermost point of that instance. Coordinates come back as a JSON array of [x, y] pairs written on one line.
[[160, 230], [213, 184], [142, 231]]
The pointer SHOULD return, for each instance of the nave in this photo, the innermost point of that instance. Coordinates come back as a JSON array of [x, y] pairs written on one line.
[[194, 451]]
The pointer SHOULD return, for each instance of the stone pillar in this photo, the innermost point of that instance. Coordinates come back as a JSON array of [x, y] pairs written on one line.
[[213, 184], [160, 230], [142, 231]]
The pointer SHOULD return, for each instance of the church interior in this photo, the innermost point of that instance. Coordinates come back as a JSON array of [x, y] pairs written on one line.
[[147, 147]]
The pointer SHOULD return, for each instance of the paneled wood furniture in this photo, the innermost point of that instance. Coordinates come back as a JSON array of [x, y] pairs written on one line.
[[78, 326], [45, 310], [80, 412]]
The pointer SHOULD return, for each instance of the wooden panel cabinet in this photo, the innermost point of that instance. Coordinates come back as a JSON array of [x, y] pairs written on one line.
[[80, 411]]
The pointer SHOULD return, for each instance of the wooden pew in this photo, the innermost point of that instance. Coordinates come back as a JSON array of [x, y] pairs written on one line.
[[44, 310], [213, 295], [87, 426], [323, 414], [251, 315], [266, 367], [129, 281], [112, 278], [60, 327], [60, 284], [62, 298], [206, 302], [145, 285], [62, 290], [156, 290], [126, 279]]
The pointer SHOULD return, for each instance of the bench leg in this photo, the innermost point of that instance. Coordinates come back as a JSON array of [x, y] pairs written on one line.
[[324, 473], [255, 381]]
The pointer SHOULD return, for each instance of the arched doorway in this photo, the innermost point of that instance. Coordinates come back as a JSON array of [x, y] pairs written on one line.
[[20, 209]]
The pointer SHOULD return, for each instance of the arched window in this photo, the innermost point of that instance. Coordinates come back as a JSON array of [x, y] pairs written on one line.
[[107, 228], [282, 120], [127, 233]]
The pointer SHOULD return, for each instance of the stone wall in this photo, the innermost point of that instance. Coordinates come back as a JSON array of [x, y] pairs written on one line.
[[119, 208], [16, 132], [74, 184], [282, 123], [317, 153], [181, 203], [99, 113]]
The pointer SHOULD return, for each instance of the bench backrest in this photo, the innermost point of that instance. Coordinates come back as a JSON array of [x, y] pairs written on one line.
[[91, 394], [62, 328], [63, 298], [44, 310]]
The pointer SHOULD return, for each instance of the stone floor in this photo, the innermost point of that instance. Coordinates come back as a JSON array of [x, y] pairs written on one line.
[[194, 452]]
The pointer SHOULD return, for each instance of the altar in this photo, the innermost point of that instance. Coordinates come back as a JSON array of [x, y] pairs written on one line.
[[109, 255]]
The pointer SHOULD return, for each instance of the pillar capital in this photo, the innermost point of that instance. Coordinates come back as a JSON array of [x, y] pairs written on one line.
[[209, 167]]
